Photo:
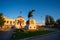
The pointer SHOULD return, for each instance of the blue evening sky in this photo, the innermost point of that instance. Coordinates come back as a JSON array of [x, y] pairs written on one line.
[[12, 8]]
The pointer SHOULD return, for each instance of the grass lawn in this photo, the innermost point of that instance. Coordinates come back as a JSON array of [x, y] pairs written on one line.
[[17, 34]]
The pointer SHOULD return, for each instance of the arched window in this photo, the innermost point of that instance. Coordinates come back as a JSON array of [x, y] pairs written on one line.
[[10, 22], [18, 22], [30, 27], [7, 21]]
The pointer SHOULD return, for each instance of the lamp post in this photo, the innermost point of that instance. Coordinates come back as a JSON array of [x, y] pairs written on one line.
[[41, 19], [20, 13]]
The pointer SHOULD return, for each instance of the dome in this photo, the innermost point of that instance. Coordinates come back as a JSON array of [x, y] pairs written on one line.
[[19, 17]]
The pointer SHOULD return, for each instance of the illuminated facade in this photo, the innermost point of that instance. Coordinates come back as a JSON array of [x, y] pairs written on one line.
[[20, 23], [8, 22]]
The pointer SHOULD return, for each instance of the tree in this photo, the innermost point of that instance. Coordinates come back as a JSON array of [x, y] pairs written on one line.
[[58, 21], [30, 13], [2, 21], [49, 20]]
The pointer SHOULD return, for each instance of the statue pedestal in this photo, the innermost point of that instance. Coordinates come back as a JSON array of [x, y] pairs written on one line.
[[32, 24]]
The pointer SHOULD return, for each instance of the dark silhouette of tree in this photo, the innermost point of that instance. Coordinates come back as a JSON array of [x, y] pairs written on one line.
[[58, 21], [30, 13], [2, 21], [49, 20]]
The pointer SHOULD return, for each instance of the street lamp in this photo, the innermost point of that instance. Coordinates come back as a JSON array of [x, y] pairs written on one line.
[[41, 19], [20, 13]]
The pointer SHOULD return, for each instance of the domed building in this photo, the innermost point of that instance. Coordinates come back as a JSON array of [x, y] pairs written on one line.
[[20, 22]]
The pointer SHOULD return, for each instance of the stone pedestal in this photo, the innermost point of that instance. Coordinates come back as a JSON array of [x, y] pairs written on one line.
[[32, 24]]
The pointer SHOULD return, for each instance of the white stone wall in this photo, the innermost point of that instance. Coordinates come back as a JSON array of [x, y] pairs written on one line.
[[32, 24]]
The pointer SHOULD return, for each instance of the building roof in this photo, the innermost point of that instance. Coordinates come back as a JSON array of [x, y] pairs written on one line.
[[19, 17]]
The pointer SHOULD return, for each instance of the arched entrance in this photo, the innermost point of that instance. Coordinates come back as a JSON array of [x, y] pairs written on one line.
[[20, 22]]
